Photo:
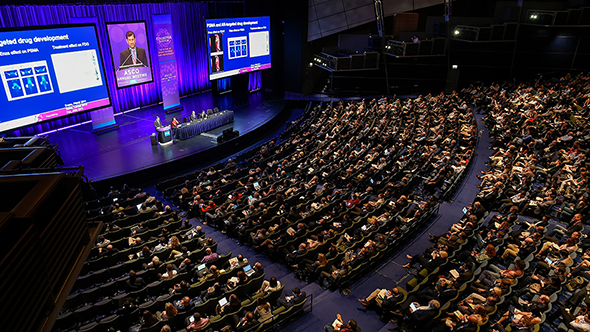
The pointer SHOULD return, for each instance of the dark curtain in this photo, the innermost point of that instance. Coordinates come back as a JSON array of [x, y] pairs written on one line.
[[255, 81]]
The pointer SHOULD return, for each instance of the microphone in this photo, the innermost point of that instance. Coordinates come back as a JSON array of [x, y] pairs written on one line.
[[122, 64], [139, 61]]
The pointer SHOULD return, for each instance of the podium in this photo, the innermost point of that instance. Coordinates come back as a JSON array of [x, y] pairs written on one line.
[[164, 135]]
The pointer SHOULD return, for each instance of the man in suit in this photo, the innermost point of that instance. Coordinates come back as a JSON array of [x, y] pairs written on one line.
[[424, 313], [133, 56], [430, 263], [134, 282], [381, 298], [157, 123], [291, 256], [193, 116], [291, 300], [259, 270], [478, 210]]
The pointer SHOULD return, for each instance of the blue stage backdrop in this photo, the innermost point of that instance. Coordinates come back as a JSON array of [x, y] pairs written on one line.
[[190, 45]]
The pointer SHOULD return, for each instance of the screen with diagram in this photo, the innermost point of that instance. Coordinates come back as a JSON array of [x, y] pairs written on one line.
[[238, 45], [50, 72]]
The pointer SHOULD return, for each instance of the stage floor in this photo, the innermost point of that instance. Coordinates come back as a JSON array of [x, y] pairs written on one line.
[[129, 149]]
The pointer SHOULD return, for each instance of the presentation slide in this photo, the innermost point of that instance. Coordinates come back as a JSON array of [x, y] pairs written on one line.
[[130, 53], [49, 72], [238, 45]]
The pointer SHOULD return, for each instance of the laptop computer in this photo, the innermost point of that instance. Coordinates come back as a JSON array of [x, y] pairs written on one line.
[[248, 270], [139, 206], [201, 270], [256, 186], [222, 302]]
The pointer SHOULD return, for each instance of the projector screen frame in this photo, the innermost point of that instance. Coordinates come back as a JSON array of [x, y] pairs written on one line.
[[207, 48], [149, 54], [102, 64]]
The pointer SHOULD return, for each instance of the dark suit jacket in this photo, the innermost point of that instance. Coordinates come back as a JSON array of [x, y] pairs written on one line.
[[296, 253], [466, 327], [127, 60], [258, 273], [298, 299], [423, 315], [479, 212], [157, 123], [136, 284], [465, 276], [392, 301], [433, 264], [574, 228]]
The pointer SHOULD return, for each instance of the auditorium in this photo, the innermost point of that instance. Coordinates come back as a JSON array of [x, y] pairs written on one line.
[[314, 165]]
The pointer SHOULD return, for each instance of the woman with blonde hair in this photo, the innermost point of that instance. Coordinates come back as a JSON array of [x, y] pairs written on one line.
[[154, 263], [174, 244], [310, 266], [169, 311]]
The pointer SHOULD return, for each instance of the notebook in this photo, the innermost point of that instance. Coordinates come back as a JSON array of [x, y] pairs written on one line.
[[222, 302]]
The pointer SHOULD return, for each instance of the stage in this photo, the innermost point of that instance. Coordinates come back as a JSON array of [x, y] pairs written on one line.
[[127, 155]]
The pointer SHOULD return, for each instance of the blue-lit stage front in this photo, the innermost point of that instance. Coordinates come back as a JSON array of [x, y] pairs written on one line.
[[127, 154]]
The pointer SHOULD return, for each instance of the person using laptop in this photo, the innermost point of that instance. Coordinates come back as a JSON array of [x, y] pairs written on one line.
[[224, 306], [297, 296], [213, 274], [197, 322], [162, 245], [240, 279], [258, 270], [248, 270], [340, 326]]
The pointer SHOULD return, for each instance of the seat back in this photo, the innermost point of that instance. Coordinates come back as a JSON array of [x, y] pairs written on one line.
[[274, 296], [218, 322]]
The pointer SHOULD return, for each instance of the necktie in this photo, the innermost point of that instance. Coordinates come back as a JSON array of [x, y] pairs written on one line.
[[133, 52]]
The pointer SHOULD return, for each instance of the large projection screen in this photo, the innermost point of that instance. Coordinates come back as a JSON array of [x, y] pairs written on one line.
[[130, 53], [237, 45], [49, 72]]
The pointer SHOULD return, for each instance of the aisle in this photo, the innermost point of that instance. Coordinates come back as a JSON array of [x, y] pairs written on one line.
[[391, 273], [326, 304]]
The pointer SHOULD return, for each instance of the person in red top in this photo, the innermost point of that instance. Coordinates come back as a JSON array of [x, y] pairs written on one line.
[[353, 201], [174, 123], [210, 206], [198, 323]]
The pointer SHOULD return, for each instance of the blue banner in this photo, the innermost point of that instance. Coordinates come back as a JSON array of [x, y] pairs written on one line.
[[165, 51]]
